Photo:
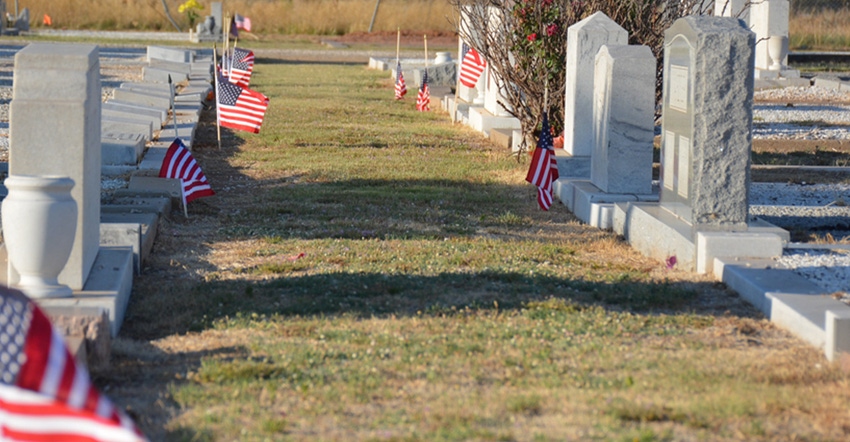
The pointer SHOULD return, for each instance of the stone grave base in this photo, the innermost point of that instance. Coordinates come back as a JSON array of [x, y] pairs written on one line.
[[483, 121], [572, 166], [792, 302], [659, 234], [107, 287], [461, 112], [590, 204]]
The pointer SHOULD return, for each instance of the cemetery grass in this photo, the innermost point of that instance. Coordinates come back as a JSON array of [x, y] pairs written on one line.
[[369, 272]]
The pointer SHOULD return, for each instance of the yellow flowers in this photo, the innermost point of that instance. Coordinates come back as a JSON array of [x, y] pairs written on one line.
[[190, 8]]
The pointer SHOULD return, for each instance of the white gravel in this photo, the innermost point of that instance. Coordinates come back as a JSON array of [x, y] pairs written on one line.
[[828, 269]]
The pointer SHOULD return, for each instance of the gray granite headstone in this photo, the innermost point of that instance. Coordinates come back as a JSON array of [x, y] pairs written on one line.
[[55, 130], [23, 20], [707, 121], [623, 119], [211, 27]]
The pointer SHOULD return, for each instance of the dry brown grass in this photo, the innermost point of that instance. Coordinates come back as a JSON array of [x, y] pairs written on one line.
[[820, 30], [287, 17]]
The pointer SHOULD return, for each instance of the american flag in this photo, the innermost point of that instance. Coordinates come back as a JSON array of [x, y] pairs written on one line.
[[179, 163], [45, 394], [400, 85], [423, 99], [234, 30], [471, 66], [240, 108], [241, 67], [242, 22], [544, 168]]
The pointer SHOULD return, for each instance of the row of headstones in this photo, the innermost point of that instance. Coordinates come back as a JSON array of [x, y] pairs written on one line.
[[484, 108], [706, 134], [706, 118], [164, 105], [55, 131]]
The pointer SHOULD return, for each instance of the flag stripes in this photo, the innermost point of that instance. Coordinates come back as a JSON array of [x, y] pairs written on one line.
[[543, 170], [241, 67], [29, 416], [471, 66], [45, 394], [240, 108], [400, 85], [179, 163], [423, 98]]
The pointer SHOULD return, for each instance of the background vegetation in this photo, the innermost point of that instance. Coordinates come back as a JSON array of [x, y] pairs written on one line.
[[814, 24], [326, 17]]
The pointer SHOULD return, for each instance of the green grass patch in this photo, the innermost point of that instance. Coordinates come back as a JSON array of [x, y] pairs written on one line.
[[370, 272]]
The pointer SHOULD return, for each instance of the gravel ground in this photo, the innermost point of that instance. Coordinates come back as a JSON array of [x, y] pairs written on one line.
[[806, 206]]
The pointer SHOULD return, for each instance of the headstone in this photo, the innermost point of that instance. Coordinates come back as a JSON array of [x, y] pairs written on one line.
[[55, 130], [768, 18], [210, 29], [175, 55], [623, 119], [494, 101], [583, 42], [707, 121], [23, 20], [732, 8]]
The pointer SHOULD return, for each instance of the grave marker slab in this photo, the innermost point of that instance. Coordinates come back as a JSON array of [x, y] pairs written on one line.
[[623, 119], [707, 119], [583, 42], [55, 130]]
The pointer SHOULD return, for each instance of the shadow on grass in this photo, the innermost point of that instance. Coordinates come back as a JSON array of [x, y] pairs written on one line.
[[366, 295], [383, 209]]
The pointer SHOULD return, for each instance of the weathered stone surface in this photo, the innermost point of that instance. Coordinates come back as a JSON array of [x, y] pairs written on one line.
[[583, 42], [55, 129], [92, 324], [707, 121], [623, 119]]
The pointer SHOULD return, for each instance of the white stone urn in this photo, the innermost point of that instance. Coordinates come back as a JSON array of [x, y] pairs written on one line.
[[443, 57], [777, 50], [39, 225]]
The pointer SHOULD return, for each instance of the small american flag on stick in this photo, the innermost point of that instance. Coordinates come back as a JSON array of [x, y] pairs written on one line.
[[45, 394], [179, 163], [400, 85], [423, 99], [242, 22], [543, 170], [241, 67], [240, 108]]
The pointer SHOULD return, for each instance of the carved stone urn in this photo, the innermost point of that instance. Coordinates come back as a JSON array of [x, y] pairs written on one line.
[[39, 224], [777, 50]]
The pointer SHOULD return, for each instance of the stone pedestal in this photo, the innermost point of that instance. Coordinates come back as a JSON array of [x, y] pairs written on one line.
[[623, 119], [55, 130], [707, 121]]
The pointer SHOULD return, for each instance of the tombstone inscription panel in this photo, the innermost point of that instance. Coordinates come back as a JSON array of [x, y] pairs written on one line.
[[707, 121]]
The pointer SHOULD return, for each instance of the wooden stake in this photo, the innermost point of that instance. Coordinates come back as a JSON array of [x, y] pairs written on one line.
[[217, 117], [426, 52], [185, 208], [171, 104]]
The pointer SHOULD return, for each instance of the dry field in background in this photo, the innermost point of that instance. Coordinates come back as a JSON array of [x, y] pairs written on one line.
[[325, 17]]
